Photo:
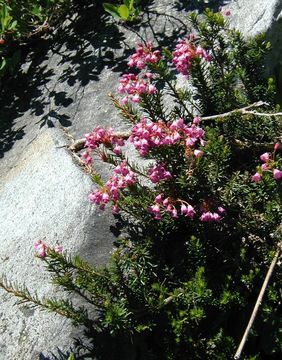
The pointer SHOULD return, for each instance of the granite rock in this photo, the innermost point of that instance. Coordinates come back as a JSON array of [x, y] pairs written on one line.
[[256, 16]]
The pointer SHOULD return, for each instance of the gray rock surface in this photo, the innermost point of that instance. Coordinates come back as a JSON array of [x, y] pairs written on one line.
[[256, 16], [44, 196], [43, 193]]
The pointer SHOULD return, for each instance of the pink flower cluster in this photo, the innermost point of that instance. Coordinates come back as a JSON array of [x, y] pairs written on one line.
[[185, 52], [101, 136], [225, 12], [146, 135], [42, 249], [209, 216], [178, 207], [268, 165], [144, 54], [158, 173], [134, 86], [168, 205], [122, 178], [87, 158]]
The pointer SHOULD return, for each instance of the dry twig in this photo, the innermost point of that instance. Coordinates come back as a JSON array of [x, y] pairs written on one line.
[[244, 111], [258, 303]]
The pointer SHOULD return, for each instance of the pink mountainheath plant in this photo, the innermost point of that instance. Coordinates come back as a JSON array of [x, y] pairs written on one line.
[[201, 207]]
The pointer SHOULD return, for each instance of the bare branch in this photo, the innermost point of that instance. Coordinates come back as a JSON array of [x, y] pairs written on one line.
[[244, 110], [258, 303], [77, 145]]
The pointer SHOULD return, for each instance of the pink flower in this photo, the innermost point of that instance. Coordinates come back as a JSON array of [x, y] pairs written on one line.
[[134, 86], [129, 179], [144, 54], [96, 197], [105, 197], [203, 142], [121, 179], [115, 209], [114, 191], [256, 177], [122, 168], [185, 52], [203, 53], [196, 120], [277, 174], [159, 199], [40, 248], [198, 153], [216, 217], [264, 167], [265, 157], [155, 210], [224, 12], [177, 125], [209, 217], [87, 158], [149, 75], [174, 214], [136, 98], [117, 150], [170, 208], [95, 138], [152, 89], [166, 202], [187, 210], [101, 136], [221, 210], [124, 100], [158, 173], [276, 146], [183, 209], [59, 249], [190, 142]]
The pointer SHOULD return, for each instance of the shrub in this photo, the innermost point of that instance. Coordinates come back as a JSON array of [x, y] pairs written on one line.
[[127, 11], [21, 20], [202, 218]]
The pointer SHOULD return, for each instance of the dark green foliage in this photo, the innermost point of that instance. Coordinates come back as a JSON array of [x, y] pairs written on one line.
[[232, 80], [21, 20], [126, 10]]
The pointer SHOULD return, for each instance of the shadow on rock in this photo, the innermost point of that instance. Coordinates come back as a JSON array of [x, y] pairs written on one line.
[[103, 346], [53, 71], [49, 86], [9, 136], [60, 355]]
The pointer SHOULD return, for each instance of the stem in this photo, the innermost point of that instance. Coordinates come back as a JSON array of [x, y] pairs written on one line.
[[124, 109], [258, 303], [73, 286], [26, 297], [244, 110], [130, 213], [148, 107], [181, 102]]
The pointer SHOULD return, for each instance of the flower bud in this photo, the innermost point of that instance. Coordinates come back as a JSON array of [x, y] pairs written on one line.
[[256, 177]]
